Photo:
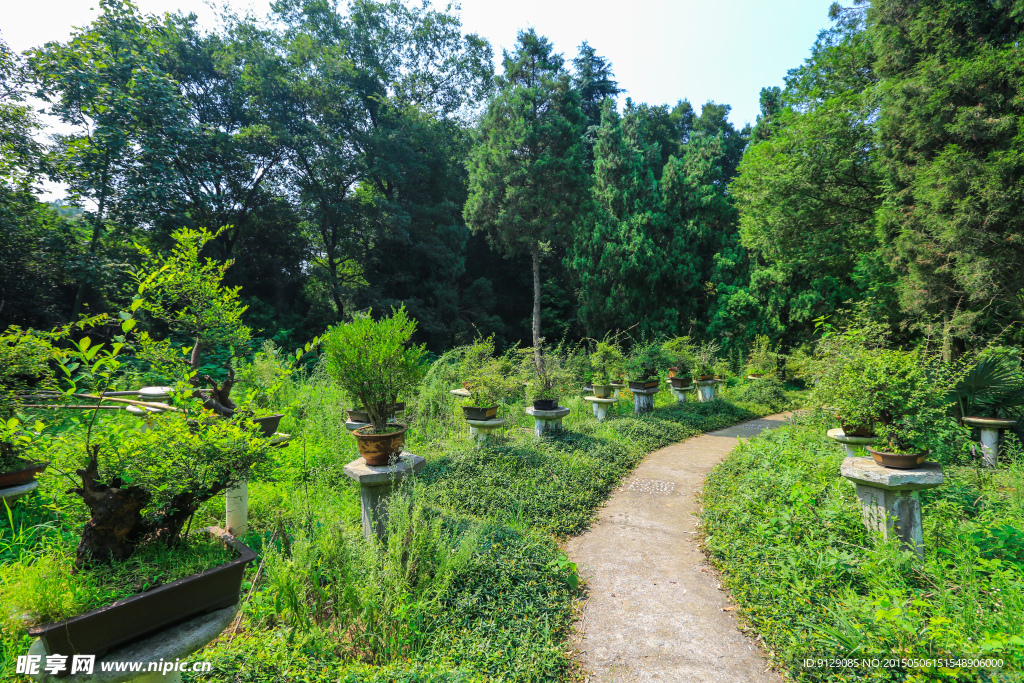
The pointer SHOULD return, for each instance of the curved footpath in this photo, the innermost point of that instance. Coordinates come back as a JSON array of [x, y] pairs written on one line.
[[655, 611]]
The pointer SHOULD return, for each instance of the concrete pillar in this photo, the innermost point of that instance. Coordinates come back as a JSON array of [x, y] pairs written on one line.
[[643, 400], [375, 484], [683, 393], [600, 406], [545, 421], [989, 428], [236, 508], [889, 498], [705, 390], [481, 431]]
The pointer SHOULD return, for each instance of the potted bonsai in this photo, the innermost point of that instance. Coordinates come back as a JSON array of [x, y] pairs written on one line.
[[843, 391], [140, 505], [375, 362], [606, 363], [680, 350], [704, 360], [487, 378], [545, 376], [762, 361], [644, 364], [909, 398], [184, 292]]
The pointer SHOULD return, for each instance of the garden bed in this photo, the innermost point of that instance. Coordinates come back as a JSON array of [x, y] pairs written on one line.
[[786, 530]]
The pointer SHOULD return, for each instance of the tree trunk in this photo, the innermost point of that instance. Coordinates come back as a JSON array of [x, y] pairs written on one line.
[[535, 253], [115, 524]]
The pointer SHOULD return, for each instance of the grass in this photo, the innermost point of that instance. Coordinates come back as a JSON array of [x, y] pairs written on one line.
[[472, 584], [785, 528]]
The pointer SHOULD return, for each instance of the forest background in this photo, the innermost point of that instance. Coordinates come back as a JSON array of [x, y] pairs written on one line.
[[366, 156]]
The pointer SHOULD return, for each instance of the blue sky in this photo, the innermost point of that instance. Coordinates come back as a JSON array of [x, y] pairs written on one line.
[[662, 50]]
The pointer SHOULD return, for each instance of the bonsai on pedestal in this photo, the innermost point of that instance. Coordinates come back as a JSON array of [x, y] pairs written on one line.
[[763, 362], [488, 379], [984, 397], [606, 362], [375, 362], [680, 350]]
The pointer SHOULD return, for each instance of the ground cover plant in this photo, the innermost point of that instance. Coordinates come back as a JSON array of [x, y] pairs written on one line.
[[471, 585], [812, 582]]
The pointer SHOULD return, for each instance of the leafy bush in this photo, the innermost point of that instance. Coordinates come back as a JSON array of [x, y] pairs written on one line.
[[647, 360], [375, 363], [762, 360], [489, 379], [767, 392], [606, 362], [680, 350], [786, 530]]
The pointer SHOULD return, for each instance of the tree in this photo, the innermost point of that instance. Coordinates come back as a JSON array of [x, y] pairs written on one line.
[[952, 160], [526, 172], [594, 79]]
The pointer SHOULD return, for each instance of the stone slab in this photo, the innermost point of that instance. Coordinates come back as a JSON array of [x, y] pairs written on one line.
[[646, 392], [370, 475], [839, 435], [177, 642], [487, 424], [595, 399], [867, 471], [12, 493], [461, 393], [989, 423], [556, 414]]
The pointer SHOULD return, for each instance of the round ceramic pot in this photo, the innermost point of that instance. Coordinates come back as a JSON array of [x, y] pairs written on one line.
[[897, 460], [603, 390], [380, 449]]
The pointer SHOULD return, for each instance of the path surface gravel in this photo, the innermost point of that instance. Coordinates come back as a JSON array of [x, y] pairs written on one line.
[[655, 610]]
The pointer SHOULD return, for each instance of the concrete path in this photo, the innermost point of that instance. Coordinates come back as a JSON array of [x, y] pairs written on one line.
[[655, 611]]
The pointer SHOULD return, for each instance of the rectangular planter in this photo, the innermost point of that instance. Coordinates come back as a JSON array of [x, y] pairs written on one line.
[[357, 415], [104, 629], [480, 413], [643, 384], [22, 476], [680, 382]]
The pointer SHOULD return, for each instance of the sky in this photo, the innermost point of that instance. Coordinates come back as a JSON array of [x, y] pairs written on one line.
[[661, 50]]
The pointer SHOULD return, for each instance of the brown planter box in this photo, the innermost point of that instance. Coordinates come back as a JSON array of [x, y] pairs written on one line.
[[480, 413], [104, 629], [643, 384], [22, 476], [679, 382]]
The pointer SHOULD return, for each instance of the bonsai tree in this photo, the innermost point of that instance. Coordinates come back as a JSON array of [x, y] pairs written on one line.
[[134, 491], [185, 293], [646, 361], [705, 357], [375, 362], [547, 380], [487, 377], [606, 362], [762, 361], [909, 395], [680, 350]]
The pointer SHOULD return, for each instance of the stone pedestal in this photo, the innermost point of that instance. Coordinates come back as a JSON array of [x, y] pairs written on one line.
[[13, 493], [600, 406], [375, 484], [547, 420], [169, 647], [147, 415], [683, 393], [719, 386], [616, 387], [643, 400], [236, 509], [854, 444], [706, 390], [990, 428], [889, 499], [481, 431]]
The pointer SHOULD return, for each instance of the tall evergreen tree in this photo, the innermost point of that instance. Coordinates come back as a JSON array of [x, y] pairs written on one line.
[[526, 171], [594, 79]]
